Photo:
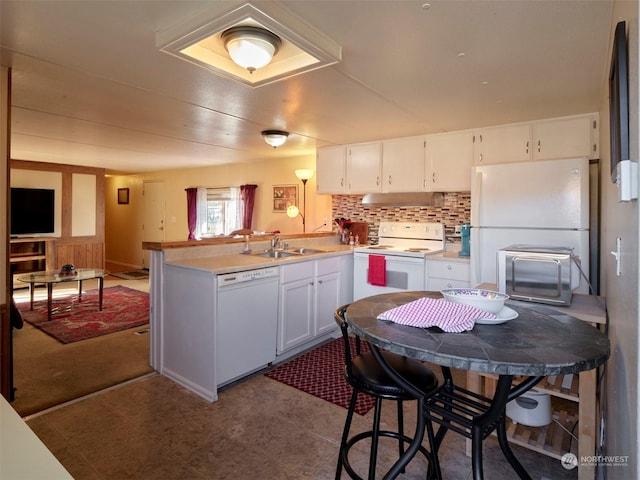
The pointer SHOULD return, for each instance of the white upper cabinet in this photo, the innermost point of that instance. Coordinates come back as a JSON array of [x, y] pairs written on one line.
[[503, 144], [331, 168], [566, 137], [441, 162], [403, 164], [364, 162], [448, 161], [554, 138]]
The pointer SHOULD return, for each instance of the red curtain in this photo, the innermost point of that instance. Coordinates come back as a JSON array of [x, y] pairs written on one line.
[[248, 195], [192, 211]]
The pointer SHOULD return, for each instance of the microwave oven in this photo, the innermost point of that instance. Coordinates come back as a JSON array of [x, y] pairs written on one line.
[[537, 273]]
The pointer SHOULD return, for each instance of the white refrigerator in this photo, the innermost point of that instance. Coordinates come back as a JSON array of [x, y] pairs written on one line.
[[542, 203]]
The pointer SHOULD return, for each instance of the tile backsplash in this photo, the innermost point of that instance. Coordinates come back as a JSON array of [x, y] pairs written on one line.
[[456, 210]]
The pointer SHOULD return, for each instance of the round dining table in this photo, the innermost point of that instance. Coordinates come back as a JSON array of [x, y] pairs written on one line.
[[532, 345]]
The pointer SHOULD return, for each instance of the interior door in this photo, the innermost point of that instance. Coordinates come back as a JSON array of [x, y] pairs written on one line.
[[154, 212]]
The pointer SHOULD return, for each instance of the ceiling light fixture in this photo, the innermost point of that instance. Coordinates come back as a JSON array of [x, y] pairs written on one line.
[[251, 47], [275, 138]]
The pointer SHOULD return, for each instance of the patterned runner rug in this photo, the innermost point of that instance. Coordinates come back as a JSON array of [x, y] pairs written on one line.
[[73, 321], [320, 372]]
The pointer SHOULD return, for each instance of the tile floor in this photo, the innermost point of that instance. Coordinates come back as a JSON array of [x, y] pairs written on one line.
[[154, 429]]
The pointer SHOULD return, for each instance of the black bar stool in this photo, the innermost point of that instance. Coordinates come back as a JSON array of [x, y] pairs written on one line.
[[364, 373]]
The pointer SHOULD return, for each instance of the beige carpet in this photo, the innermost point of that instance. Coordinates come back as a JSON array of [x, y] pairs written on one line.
[[48, 373]]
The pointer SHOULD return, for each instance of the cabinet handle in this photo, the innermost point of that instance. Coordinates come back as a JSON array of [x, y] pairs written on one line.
[[433, 177], [480, 158], [389, 179], [342, 182], [538, 146], [527, 149], [378, 180], [480, 138], [449, 267], [449, 285], [320, 281]]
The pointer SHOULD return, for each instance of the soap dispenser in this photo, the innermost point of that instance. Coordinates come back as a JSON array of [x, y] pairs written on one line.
[[465, 234]]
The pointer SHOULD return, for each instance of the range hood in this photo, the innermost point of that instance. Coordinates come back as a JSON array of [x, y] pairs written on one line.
[[409, 199]]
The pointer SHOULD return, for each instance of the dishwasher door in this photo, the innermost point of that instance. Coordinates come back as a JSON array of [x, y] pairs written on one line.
[[246, 325]]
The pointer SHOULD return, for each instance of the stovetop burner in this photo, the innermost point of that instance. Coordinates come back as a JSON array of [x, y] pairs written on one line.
[[409, 239]]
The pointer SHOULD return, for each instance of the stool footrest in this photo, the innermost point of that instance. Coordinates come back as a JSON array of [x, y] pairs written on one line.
[[455, 408], [382, 433]]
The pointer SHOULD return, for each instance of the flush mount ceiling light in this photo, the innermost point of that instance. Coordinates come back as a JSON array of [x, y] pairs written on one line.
[[251, 47], [205, 41], [275, 138]]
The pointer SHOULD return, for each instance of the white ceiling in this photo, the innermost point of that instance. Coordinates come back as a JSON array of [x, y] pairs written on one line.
[[90, 87]]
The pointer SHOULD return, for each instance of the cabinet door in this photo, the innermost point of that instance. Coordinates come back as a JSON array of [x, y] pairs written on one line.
[[327, 289], [564, 138], [331, 164], [296, 316], [503, 144], [448, 161], [403, 164], [363, 167]]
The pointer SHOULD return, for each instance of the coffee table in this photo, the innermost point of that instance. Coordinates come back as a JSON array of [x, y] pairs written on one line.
[[50, 278]]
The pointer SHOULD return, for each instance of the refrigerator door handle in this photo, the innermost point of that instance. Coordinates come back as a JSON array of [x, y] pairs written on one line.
[[476, 187], [475, 258]]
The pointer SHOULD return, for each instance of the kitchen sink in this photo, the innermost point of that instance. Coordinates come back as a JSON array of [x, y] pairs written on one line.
[[306, 251], [277, 254]]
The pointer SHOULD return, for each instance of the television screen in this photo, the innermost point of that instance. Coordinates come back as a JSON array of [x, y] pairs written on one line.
[[32, 211], [619, 100]]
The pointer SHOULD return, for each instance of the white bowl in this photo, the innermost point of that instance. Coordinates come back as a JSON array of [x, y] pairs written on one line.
[[486, 300]]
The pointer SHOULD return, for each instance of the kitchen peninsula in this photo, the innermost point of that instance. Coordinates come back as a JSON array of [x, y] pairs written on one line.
[[218, 314]]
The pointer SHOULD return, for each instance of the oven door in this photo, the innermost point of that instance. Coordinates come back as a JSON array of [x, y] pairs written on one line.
[[402, 274]]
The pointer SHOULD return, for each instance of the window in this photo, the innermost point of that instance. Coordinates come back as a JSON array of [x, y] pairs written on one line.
[[219, 211]]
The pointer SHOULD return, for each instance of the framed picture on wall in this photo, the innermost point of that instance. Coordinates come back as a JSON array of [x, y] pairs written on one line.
[[123, 196], [284, 196]]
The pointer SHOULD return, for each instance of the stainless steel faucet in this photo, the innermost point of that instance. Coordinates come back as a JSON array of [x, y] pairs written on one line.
[[275, 241]]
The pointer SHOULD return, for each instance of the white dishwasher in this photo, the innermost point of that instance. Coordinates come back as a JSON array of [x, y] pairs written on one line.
[[246, 322]]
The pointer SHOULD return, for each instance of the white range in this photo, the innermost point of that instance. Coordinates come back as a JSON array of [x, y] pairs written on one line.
[[403, 247]]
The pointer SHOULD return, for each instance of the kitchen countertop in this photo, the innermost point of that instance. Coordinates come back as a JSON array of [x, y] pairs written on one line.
[[448, 255], [222, 240], [239, 262], [23, 455]]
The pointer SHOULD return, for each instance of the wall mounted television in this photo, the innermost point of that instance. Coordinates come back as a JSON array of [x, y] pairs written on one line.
[[32, 211], [619, 100]]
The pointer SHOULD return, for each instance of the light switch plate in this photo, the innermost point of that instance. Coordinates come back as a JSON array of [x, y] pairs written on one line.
[[627, 180]]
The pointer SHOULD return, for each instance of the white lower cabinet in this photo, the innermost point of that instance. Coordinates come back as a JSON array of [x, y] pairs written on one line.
[[309, 294], [446, 273]]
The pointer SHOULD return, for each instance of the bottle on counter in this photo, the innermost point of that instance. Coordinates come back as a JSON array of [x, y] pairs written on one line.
[[351, 240], [357, 240]]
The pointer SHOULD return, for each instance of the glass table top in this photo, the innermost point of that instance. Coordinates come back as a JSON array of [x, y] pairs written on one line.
[[54, 276]]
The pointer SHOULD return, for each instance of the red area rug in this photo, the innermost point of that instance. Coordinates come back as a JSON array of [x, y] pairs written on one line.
[[122, 308], [320, 372]]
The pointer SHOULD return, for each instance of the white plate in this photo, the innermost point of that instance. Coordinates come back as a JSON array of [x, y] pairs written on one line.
[[503, 315]]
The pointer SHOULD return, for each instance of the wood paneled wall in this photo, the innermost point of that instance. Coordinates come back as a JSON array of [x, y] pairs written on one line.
[[84, 251]]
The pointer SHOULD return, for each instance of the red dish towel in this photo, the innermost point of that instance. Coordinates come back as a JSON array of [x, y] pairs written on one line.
[[377, 270], [430, 312]]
